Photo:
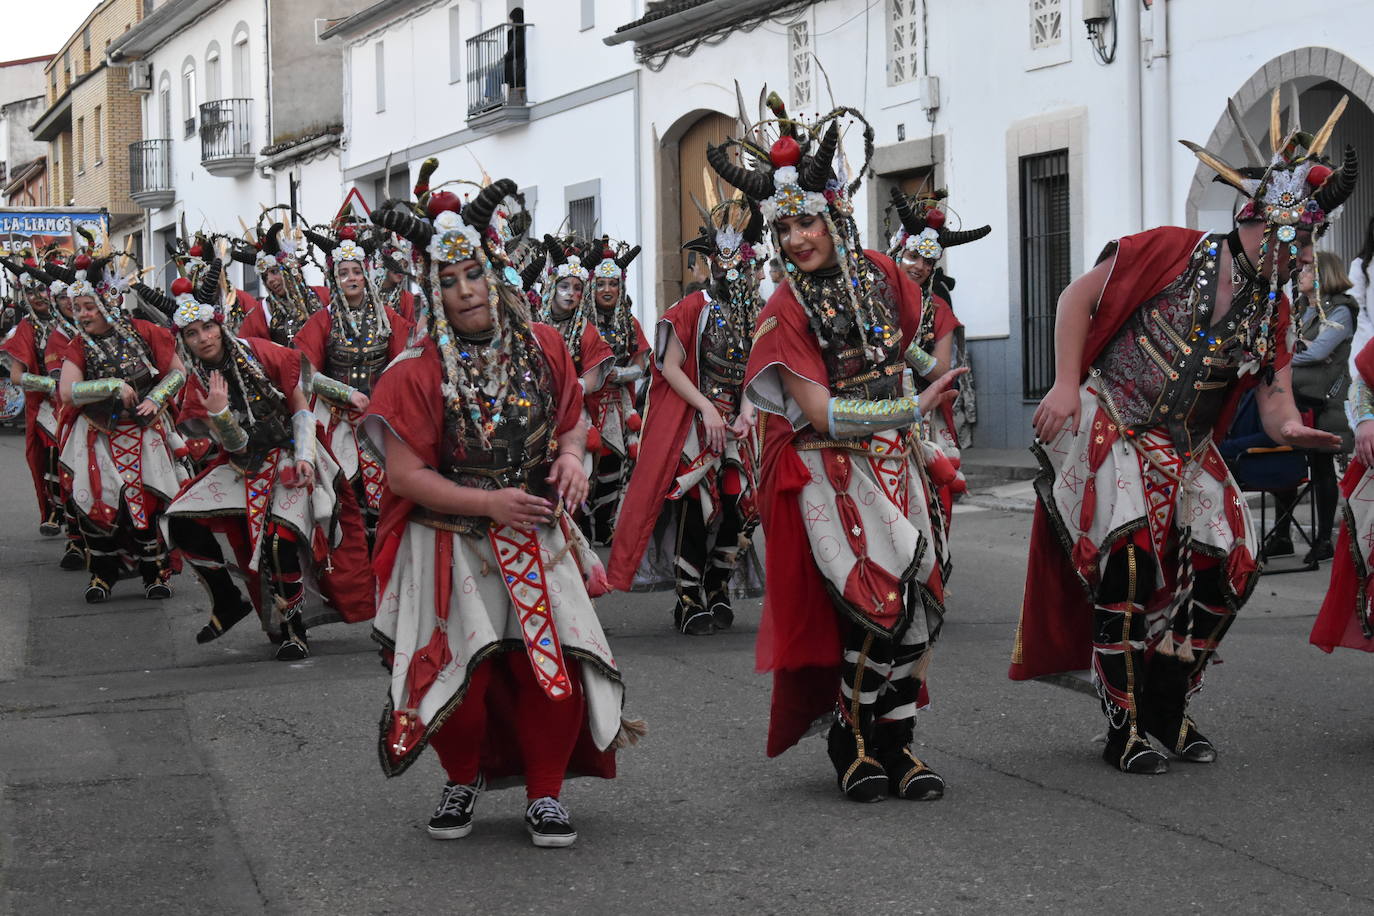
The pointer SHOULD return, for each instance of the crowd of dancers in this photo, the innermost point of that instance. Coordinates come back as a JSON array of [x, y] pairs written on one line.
[[438, 438]]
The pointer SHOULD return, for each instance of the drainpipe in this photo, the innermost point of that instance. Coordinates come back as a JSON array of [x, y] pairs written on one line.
[[1157, 136], [1135, 144]]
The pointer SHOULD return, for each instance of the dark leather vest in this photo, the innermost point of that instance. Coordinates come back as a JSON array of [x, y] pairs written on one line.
[[356, 359], [121, 359]]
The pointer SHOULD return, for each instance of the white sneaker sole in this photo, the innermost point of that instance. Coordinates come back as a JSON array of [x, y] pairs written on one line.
[[449, 833], [544, 841]]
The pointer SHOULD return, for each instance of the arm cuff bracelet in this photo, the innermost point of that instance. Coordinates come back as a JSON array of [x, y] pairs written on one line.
[[852, 418], [95, 390]]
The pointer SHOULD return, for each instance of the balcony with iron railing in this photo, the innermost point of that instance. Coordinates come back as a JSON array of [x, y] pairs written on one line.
[[150, 173], [226, 137], [496, 78]]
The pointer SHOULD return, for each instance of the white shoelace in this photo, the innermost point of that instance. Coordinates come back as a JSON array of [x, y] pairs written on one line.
[[547, 808], [457, 799]]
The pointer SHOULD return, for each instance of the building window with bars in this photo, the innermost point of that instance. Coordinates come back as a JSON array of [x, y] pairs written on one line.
[[1045, 263], [903, 34], [799, 67], [1047, 23], [582, 217]]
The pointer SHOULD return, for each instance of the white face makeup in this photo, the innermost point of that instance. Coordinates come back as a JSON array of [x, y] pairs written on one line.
[[567, 294]]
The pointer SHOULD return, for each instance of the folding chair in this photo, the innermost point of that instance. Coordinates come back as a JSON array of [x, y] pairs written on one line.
[[1260, 465]]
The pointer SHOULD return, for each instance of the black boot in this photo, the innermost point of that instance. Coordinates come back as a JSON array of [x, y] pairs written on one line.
[[717, 588], [1130, 753], [907, 775], [1165, 714], [73, 557], [294, 647], [861, 777], [691, 615], [1118, 633], [227, 604], [724, 558]]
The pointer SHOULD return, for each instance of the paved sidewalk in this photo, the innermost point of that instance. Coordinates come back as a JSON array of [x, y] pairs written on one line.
[[141, 773]]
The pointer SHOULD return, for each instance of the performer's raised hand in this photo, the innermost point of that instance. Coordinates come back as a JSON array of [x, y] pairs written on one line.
[[940, 392], [1364, 443], [517, 508], [1059, 407], [715, 429], [1294, 433], [569, 479], [217, 399]]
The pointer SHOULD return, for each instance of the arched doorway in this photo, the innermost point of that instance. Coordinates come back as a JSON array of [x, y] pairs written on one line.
[[681, 157], [1210, 204], [713, 129]]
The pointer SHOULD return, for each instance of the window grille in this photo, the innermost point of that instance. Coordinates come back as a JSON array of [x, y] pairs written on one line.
[[799, 53], [1047, 23], [903, 41], [582, 217], [1045, 266]]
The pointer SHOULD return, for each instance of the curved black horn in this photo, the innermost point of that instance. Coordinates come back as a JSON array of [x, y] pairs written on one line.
[[155, 298], [757, 185], [624, 259], [753, 230], [534, 268], [60, 272], [554, 251], [324, 243], [477, 213], [1339, 184], [243, 252], [207, 290], [962, 236], [909, 220], [86, 234], [400, 220], [816, 170], [270, 243]]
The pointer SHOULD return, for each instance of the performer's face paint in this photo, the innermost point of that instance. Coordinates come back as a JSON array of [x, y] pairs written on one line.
[[806, 240], [917, 268], [466, 297], [205, 340], [607, 294], [64, 305], [567, 295], [89, 316], [351, 280], [275, 281], [40, 300]]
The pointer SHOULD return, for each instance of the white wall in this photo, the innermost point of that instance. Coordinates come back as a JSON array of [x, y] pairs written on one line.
[[209, 201]]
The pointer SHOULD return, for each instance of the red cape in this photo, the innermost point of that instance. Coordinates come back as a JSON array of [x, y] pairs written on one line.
[[1055, 631], [346, 576], [22, 347], [313, 338], [667, 420], [799, 634]]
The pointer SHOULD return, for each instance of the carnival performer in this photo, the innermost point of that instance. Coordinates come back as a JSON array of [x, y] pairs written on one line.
[[841, 476], [122, 374], [392, 278], [272, 493], [1345, 620], [63, 332], [348, 344], [917, 247], [690, 503], [1143, 549], [290, 300], [192, 254], [497, 657], [612, 405], [565, 307], [23, 353]]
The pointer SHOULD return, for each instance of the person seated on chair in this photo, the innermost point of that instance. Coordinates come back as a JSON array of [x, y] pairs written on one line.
[[1320, 379]]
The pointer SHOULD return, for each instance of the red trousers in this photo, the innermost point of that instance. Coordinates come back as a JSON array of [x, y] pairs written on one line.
[[545, 730]]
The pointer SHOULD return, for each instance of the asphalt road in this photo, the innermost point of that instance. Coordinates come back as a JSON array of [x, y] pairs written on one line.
[[142, 773]]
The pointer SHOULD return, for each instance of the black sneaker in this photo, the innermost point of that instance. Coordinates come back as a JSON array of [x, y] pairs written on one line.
[[1321, 550], [97, 591], [452, 820], [1277, 545], [157, 590], [547, 821], [51, 526]]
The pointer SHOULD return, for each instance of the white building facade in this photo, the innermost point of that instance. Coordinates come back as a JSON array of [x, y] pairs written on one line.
[[1059, 142], [439, 79], [241, 109]]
